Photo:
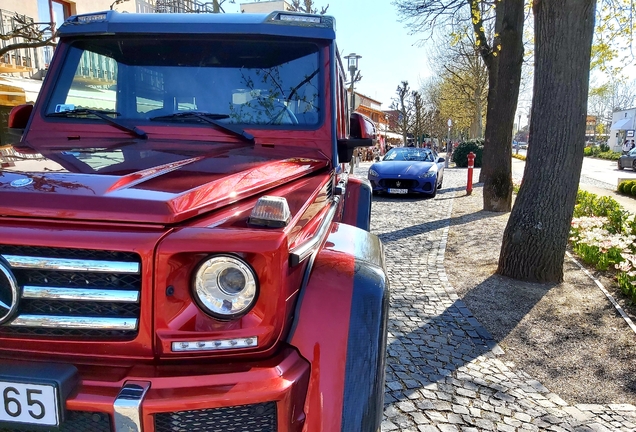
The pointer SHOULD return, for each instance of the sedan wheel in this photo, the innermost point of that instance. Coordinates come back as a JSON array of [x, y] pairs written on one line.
[[432, 195], [620, 167], [634, 165]]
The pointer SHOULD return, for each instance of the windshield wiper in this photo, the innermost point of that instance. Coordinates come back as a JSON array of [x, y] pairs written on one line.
[[102, 114], [210, 118]]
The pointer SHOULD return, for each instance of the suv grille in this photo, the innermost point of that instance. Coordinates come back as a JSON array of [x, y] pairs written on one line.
[[74, 292], [247, 418]]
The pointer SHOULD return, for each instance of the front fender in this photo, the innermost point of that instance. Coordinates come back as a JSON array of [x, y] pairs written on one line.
[[340, 327]]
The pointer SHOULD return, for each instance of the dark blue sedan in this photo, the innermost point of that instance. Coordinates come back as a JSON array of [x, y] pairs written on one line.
[[405, 170]]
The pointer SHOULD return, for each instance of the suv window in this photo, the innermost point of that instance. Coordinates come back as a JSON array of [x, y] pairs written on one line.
[[254, 82]]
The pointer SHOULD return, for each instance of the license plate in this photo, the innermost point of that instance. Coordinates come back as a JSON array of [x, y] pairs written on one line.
[[31, 404], [398, 191]]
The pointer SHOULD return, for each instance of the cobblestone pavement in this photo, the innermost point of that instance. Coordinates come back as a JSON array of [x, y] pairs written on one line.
[[443, 369]]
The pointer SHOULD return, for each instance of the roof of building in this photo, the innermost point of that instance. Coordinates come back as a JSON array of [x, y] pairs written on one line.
[[279, 23], [366, 97]]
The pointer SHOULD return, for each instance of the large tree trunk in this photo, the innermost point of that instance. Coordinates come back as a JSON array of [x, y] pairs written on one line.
[[536, 236], [504, 78]]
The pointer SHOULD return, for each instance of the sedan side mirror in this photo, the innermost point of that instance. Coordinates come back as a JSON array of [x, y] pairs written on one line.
[[362, 133], [441, 159]]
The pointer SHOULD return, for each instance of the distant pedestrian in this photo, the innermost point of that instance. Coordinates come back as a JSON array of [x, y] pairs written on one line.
[[626, 147]]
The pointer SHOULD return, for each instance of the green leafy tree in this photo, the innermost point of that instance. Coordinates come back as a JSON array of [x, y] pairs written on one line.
[[498, 36], [465, 78]]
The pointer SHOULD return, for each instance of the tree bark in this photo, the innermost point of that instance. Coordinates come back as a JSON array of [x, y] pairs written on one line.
[[504, 78], [536, 236]]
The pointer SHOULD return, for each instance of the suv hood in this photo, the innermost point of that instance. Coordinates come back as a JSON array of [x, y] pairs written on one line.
[[143, 182]]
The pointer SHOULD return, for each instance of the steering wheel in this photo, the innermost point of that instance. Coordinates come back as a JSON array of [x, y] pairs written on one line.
[[284, 115]]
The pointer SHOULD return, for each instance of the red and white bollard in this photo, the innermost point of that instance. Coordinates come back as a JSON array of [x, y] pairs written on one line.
[[471, 165]]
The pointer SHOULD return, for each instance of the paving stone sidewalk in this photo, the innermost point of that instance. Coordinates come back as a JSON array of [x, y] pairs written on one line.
[[443, 370]]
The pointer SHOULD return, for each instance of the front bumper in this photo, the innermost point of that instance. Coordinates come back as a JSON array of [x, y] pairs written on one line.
[[266, 395], [412, 184]]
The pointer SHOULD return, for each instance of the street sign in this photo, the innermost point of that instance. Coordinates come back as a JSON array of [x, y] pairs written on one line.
[[450, 122]]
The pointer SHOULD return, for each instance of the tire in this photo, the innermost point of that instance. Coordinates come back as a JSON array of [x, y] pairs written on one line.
[[634, 165], [432, 195], [620, 167], [439, 186]]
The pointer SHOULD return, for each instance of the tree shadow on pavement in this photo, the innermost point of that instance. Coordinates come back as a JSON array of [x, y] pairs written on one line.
[[427, 353], [433, 225]]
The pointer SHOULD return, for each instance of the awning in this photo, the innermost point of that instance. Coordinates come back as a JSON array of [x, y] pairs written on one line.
[[30, 87], [624, 124], [390, 134]]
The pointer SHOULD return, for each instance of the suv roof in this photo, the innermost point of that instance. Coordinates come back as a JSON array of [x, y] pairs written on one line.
[[276, 24]]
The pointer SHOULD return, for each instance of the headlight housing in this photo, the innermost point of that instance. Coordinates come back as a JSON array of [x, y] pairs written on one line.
[[373, 173], [225, 287], [428, 174]]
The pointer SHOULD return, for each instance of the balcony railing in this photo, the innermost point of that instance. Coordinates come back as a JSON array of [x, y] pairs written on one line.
[[174, 6], [18, 60]]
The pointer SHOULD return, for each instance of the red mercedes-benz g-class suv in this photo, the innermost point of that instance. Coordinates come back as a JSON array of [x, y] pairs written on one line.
[[180, 248]]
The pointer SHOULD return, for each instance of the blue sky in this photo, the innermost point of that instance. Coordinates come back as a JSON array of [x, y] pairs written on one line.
[[371, 29]]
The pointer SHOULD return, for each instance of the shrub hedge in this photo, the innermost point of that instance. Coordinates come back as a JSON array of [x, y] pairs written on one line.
[[602, 152], [460, 154], [589, 204], [625, 187]]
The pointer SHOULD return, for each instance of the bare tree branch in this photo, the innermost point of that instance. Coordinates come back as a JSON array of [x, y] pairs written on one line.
[[27, 34]]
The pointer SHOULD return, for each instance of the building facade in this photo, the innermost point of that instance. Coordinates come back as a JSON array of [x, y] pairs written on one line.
[[265, 6], [623, 126]]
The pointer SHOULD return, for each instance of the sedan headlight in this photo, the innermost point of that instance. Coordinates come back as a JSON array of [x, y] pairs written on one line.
[[225, 286], [373, 173], [428, 174]]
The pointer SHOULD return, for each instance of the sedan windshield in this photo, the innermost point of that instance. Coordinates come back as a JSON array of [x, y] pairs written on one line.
[[410, 154], [248, 81]]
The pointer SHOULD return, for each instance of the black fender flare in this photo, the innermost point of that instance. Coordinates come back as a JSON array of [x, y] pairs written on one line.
[[357, 207]]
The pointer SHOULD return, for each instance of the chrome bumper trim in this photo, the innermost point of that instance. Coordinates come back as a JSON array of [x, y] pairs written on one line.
[[304, 250], [127, 406], [63, 264], [80, 294], [72, 322]]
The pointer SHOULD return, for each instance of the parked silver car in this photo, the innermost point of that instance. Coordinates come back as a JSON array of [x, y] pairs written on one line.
[[628, 160]]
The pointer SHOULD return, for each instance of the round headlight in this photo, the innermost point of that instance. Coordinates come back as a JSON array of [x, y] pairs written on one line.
[[225, 286]]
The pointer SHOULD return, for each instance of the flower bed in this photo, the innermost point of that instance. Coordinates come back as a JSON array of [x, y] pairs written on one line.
[[603, 234]]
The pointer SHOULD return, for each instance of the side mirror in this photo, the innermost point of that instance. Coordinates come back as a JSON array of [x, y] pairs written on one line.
[[362, 133], [18, 120], [361, 126], [441, 159]]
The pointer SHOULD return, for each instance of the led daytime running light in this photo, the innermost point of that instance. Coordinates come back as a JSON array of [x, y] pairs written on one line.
[[300, 18], [91, 18], [215, 345]]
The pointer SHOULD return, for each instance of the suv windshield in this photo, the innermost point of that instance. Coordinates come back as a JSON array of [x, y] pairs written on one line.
[[247, 81]]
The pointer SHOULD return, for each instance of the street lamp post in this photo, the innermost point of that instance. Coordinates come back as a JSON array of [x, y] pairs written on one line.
[[449, 146], [352, 61], [386, 132]]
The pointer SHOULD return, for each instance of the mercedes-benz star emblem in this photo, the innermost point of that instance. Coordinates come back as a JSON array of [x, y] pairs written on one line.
[[9, 293], [21, 182]]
